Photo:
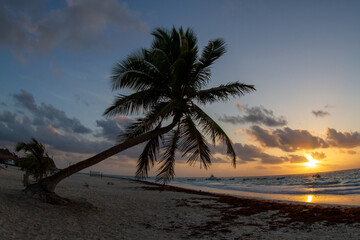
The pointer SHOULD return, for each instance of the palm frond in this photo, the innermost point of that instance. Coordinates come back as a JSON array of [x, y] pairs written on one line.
[[213, 51], [182, 66], [36, 148], [193, 144], [148, 157], [223, 92], [134, 103], [191, 38], [202, 69], [166, 170], [36, 162], [178, 74], [162, 39], [20, 146], [161, 60], [137, 128], [168, 41], [137, 72], [211, 128], [159, 113]]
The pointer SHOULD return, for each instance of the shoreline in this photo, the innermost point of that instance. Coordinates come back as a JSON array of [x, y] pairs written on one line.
[[133, 209], [199, 191], [306, 199]]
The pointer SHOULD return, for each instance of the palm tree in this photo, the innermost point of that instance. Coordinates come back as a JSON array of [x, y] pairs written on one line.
[[36, 161], [167, 81]]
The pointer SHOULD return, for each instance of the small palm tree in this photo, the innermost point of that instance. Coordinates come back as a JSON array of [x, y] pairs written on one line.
[[167, 81], [36, 162]]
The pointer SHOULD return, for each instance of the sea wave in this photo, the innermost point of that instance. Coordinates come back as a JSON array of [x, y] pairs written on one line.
[[334, 183]]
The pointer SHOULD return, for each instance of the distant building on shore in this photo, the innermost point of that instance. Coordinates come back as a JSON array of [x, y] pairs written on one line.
[[8, 157]]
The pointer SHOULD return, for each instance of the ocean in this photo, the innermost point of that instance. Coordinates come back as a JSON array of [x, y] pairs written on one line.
[[339, 187]]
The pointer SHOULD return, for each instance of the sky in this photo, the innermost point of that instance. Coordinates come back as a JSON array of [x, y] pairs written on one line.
[[302, 56]]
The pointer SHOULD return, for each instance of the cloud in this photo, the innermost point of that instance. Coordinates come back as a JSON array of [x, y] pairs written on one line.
[[14, 129], [7, 117], [69, 143], [255, 115], [265, 137], [112, 128], [46, 113], [270, 159], [247, 153], [26, 100], [261, 167], [78, 24], [296, 159], [292, 140], [343, 139], [49, 125], [318, 155], [328, 106], [123, 121], [251, 153], [351, 152], [109, 129], [320, 113], [218, 160], [59, 133], [287, 139]]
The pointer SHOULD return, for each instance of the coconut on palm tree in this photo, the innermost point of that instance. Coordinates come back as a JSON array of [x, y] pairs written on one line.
[[36, 161], [167, 81]]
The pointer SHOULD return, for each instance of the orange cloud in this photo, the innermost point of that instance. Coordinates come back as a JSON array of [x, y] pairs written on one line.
[[287, 139], [343, 139]]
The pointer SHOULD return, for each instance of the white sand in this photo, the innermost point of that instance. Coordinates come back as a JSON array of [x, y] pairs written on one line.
[[126, 210]]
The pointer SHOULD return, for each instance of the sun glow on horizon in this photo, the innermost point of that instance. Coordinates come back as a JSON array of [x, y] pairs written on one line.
[[311, 161]]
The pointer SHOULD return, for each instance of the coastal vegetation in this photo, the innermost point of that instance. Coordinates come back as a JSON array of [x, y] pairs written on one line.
[[167, 82], [36, 161]]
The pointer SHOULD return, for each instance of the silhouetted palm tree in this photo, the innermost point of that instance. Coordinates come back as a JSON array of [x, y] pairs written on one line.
[[168, 81], [36, 161]]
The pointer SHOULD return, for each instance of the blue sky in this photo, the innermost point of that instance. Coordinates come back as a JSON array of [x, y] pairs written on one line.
[[302, 56]]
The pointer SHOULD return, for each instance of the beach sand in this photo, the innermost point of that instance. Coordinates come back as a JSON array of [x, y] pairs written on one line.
[[126, 209]]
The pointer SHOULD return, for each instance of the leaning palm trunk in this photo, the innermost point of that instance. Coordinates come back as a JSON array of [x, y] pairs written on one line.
[[45, 188]]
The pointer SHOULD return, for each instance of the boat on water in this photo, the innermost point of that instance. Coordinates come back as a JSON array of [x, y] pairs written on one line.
[[212, 178]]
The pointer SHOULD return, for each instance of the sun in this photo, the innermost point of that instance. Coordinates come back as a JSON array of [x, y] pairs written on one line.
[[311, 162], [309, 198]]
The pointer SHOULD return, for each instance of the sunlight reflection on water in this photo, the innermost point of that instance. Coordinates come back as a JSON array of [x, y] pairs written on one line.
[[351, 200]]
